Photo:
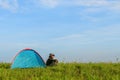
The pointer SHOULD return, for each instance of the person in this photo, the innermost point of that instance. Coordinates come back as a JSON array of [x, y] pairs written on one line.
[[51, 61]]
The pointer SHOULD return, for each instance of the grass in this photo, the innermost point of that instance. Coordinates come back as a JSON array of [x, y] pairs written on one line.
[[63, 71]]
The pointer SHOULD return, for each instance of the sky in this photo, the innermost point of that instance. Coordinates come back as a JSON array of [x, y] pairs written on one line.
[[74, 30]]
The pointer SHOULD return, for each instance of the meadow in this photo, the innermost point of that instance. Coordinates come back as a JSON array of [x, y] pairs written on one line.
[[63, 71]]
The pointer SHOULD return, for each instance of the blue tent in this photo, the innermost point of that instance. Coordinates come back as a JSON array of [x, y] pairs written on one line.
[[28, 58]]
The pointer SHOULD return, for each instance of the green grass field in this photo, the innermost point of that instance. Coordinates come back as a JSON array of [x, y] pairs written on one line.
[[63, 71]]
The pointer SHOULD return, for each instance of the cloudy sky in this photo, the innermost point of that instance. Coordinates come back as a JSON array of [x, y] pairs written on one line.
[[75, 30]]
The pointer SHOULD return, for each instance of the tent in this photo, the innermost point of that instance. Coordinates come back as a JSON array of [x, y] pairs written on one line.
[[27, 58]]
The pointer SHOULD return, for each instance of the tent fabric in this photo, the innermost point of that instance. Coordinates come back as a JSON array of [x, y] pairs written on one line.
[[28, 58]]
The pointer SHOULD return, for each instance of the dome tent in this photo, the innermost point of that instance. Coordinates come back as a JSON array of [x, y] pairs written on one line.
[[27, 58]]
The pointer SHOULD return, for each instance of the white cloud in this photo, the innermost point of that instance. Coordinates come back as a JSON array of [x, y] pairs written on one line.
[[47, 3], [103, 34], [69, 37], [11, 5], [85, 3], [97, 4], [115, 5], [90, 3], [51, 3]]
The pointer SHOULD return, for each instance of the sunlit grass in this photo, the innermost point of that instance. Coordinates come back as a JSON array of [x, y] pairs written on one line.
[[63, 71]]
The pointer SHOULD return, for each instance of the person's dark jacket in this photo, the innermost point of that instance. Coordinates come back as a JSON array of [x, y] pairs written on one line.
[[51, 62]]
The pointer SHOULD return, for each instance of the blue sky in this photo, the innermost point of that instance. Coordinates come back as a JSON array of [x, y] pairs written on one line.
[[75, 30]]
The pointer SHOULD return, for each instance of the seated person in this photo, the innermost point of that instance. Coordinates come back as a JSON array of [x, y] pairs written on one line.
[[51, 60]]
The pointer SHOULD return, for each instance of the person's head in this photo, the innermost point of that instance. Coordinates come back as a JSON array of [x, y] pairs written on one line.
[[51, 56]]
